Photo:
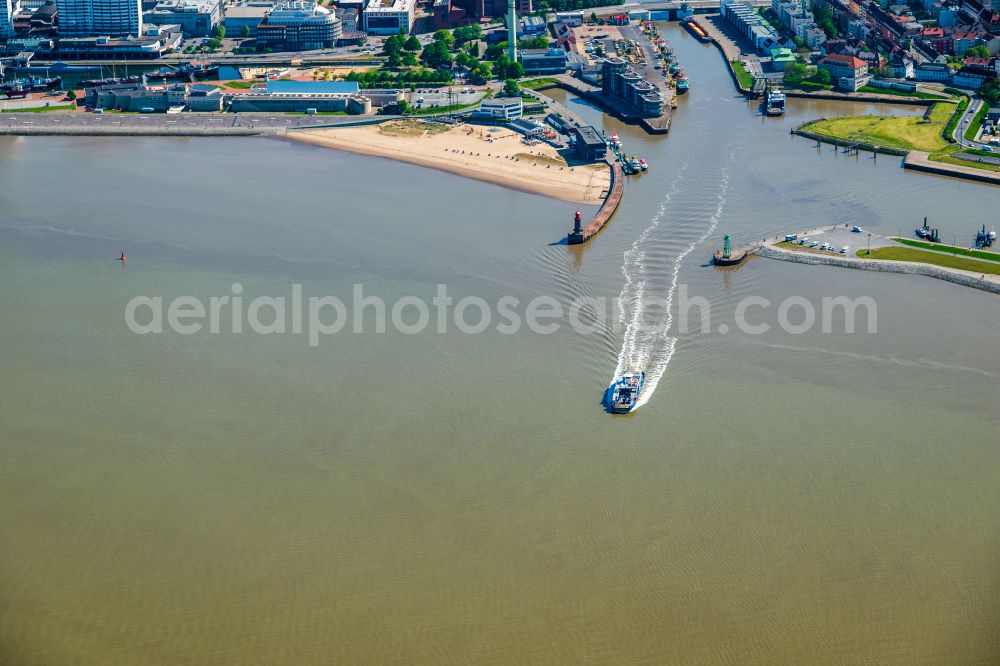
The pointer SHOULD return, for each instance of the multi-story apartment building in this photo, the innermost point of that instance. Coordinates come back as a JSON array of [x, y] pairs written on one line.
[[108, 18]]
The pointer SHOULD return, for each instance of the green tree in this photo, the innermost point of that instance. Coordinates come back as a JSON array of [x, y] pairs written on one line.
[[392, 45], [593, 17], [394, 61], [467, 33], [823, 16], [539, 42], [822, 76], [245, 31], [220, 32], [991, 91], [978, 51], [444, 36], [71, 95], [502, 66], [481, 74], [412, 44], [436, 54], [511, 88], [795, 73], [410, 59], [474, 49]]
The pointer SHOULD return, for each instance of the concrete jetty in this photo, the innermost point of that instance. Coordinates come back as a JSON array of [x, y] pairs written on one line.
[[919, 161], [771, 249], [607, 209]]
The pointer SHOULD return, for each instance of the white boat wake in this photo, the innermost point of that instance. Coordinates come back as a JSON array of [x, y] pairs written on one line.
[[647, 344]]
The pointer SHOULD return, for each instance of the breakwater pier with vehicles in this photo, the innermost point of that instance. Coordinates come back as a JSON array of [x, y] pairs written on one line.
[[856, 248]]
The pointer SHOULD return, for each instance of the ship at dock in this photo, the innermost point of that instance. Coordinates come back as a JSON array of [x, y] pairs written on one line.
[[21, 87], [775, 103], [192, 71]]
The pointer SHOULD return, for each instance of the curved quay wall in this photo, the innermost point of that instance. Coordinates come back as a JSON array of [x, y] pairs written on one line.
[[880, 266]]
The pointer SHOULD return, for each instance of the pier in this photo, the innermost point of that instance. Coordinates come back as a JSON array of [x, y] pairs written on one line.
[[580, 234]]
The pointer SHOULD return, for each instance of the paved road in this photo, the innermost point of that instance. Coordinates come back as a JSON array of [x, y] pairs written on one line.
[[966, 122]]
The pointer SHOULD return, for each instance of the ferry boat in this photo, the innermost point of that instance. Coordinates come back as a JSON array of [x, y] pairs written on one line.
[[775, 102], [625, 392], [682, 84], [634, 163], [642, 165]]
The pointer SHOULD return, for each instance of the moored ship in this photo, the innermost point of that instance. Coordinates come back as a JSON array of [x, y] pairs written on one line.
[[188, 72], [21, 87], [775, 105]]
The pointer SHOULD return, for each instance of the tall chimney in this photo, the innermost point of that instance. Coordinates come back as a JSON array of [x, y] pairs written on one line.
[[512, 30]]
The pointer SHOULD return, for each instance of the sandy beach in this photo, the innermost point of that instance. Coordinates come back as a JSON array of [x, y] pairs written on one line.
[[475, 152]]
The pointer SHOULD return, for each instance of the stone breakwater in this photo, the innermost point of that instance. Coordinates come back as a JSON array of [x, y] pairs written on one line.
[[962, 278]]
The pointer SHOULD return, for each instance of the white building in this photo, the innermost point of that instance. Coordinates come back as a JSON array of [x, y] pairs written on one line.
[[388, 17], [197, 18], [502, 108], [110, 18], [813, 37], [575, 19]]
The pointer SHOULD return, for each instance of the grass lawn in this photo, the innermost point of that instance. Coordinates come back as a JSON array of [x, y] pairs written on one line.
[[935, 258], [952, 249], [948, 159], [984, 153], [949, 129], [241, 85], [42, 109], [901, 93], [808, 86], [538, 83], [902, 132], [742, 75], [977, 121]]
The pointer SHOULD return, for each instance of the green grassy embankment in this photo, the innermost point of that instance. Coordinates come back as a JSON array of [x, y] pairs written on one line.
[[742, 75], [933, 258], [946, 158], [42, 109], [898, 132], [539, 84], [951, 249], [872, 90]]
